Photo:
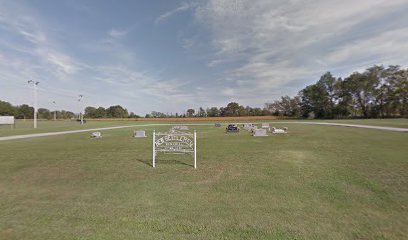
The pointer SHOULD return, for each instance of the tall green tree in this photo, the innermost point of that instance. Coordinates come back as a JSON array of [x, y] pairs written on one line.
[[117, 111], [6, 109], [25, 112]]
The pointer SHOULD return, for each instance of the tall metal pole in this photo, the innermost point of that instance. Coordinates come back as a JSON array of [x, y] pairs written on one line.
[[55, 111], [154, 148], [195, 149], [81, 115], [35, 84]]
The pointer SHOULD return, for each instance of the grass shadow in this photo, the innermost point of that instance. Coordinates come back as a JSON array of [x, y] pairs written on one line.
[[164, 161]]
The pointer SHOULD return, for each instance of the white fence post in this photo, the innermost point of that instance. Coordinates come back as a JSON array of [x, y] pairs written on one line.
[[195, 149], [154, 148]]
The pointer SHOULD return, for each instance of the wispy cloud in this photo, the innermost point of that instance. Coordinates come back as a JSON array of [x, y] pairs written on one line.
[[274, 45], [116, 33], [182, 8], [20, 23]]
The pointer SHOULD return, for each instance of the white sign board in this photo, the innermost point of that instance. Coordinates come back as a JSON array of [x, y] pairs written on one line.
[[6, 120], [175, 142]]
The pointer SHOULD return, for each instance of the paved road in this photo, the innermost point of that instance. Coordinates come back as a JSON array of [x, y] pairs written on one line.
[[395, 129], [193, 124]]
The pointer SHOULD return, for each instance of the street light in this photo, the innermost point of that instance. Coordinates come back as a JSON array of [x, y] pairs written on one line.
[[55, 110], [35, 84], [81, 115]]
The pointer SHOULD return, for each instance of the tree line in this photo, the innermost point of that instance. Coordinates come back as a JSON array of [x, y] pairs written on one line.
[[378, 92], [232, 109], [116, 111], [27, 112]]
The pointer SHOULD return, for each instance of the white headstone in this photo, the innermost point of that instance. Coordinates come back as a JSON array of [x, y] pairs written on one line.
[[265, 126], [180, 127], [279, 130], [96, 135], [139, 134], [261, 132], [248, 126]]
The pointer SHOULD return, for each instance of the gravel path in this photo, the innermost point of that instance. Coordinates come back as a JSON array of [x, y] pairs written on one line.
[[193, 124]]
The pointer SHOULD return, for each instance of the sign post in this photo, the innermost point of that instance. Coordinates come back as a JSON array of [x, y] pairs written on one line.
[[175, 142], [154, 148], [195, 149]]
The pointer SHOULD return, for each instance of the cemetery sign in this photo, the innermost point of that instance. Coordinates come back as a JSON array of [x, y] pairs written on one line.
[[175, 142]]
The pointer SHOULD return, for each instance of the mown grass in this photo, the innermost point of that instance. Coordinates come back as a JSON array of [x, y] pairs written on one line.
[[317, 182], [26, 126]]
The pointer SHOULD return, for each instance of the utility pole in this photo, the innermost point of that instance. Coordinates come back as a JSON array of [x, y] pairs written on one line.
[[81, 115], [35, 84], [55, 110]]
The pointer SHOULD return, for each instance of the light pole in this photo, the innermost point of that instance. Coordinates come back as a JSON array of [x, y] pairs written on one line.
[[81, 115], [35, 84], [55, 110]]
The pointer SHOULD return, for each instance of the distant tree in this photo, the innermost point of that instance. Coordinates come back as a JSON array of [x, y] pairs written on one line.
[[213, 112], [232, 109], [65, 114], [6, 109], [190, 112], [44, 113], [201, 112], [90, 112], [25, 112], [116, 111], [133, 115], [100, 112]]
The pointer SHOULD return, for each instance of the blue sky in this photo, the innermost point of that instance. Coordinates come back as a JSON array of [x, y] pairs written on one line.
[[168, 55]]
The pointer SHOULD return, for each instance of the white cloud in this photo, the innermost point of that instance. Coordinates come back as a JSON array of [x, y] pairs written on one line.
[[116, 33]]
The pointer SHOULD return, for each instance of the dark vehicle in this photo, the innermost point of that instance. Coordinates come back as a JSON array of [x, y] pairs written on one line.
[[232, 128]]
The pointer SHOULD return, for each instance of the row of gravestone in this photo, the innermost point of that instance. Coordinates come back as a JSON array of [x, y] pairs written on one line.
[[253, 129], [136, 134], [142, 133]]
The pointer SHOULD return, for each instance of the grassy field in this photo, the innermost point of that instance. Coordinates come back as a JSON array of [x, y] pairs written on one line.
[[317, 182], [26, 126]]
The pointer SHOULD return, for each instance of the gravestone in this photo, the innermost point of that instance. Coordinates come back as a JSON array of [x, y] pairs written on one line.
[[247, 126], [265, 126], [252, 130], [279, 130], [232, 128], [261, 132], [96, 135], [139, 134], [180, 127]]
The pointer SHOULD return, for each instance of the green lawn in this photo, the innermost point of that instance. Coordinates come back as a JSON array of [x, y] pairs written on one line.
[[26, 127], [317, 182]]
